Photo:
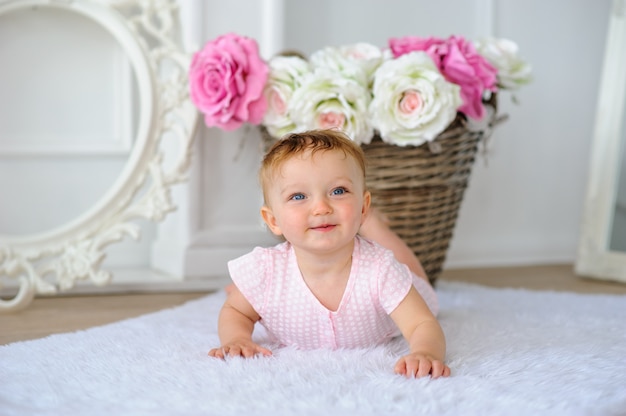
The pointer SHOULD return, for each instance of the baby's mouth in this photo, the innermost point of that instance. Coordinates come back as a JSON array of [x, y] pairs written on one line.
[[324, 227]]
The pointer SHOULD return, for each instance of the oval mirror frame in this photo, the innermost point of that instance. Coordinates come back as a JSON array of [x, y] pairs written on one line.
[[54, 260]]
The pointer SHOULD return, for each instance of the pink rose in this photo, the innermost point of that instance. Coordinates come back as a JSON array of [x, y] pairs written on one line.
[[410, 102], [331, 120], [459, 63], [226, 81], [400, 46]]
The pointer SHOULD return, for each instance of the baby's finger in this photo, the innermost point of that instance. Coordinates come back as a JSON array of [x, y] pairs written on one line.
[[400, 367], [234, 351], [412, 367], [264, 351], [424, 368], [247, 351], [216, 353], [437, 369]]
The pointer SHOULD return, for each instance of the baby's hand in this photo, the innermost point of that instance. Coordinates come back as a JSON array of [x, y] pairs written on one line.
[[244, 348], [420, 365]]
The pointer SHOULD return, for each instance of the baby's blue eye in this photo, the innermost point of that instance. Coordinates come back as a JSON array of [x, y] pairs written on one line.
[[339, 191], [297, 197]]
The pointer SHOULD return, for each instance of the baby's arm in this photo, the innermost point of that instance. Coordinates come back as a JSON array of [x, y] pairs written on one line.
[[426, 340], [235, 326]]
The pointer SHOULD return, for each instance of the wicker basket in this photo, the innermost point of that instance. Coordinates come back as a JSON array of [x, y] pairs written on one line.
[[420, 188]]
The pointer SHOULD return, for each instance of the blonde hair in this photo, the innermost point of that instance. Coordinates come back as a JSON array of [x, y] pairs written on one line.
[[298, 143]]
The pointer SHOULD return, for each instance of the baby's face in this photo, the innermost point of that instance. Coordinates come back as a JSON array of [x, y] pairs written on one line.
[[317, 202]]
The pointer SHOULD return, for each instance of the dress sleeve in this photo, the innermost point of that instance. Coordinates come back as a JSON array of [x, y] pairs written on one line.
[[248, 273], [394, 281]]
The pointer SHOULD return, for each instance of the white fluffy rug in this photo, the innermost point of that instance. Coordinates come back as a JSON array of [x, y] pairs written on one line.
[[511, 352]]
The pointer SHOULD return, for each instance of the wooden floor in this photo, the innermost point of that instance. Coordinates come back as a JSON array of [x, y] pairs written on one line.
[[47, 316]]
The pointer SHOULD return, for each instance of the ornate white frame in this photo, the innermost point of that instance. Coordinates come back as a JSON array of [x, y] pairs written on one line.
[[53, 261], [595, 259]]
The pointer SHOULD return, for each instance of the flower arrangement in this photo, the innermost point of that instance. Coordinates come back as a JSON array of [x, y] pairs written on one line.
[[407, 93]]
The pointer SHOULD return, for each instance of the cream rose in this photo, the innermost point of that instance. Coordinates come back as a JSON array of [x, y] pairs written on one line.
[[513, 72], [286, 74], [328, 99], [358, 61], [412, 101]]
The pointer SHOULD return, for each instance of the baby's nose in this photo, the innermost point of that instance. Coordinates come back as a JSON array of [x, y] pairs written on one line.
[[322, 207]]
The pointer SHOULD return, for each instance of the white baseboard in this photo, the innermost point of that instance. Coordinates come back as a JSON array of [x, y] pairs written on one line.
[[135, 281]]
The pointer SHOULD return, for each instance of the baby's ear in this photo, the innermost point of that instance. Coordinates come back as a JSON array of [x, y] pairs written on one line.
[[367, 200], [270, 220]]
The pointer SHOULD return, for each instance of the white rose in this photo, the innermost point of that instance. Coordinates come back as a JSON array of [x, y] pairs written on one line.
[[327, 99], [286, 74], [366, 56], [339, 60], [513, 72], [412, 101]]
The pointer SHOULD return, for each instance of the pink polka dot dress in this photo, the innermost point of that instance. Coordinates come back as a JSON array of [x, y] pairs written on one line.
[[270, 280]]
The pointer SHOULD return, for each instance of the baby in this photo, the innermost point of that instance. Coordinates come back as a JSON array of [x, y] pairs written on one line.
[[327, 286]]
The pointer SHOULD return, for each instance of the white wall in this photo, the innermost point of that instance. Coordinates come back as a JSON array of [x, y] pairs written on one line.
[[526, 206], [525, 198]]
